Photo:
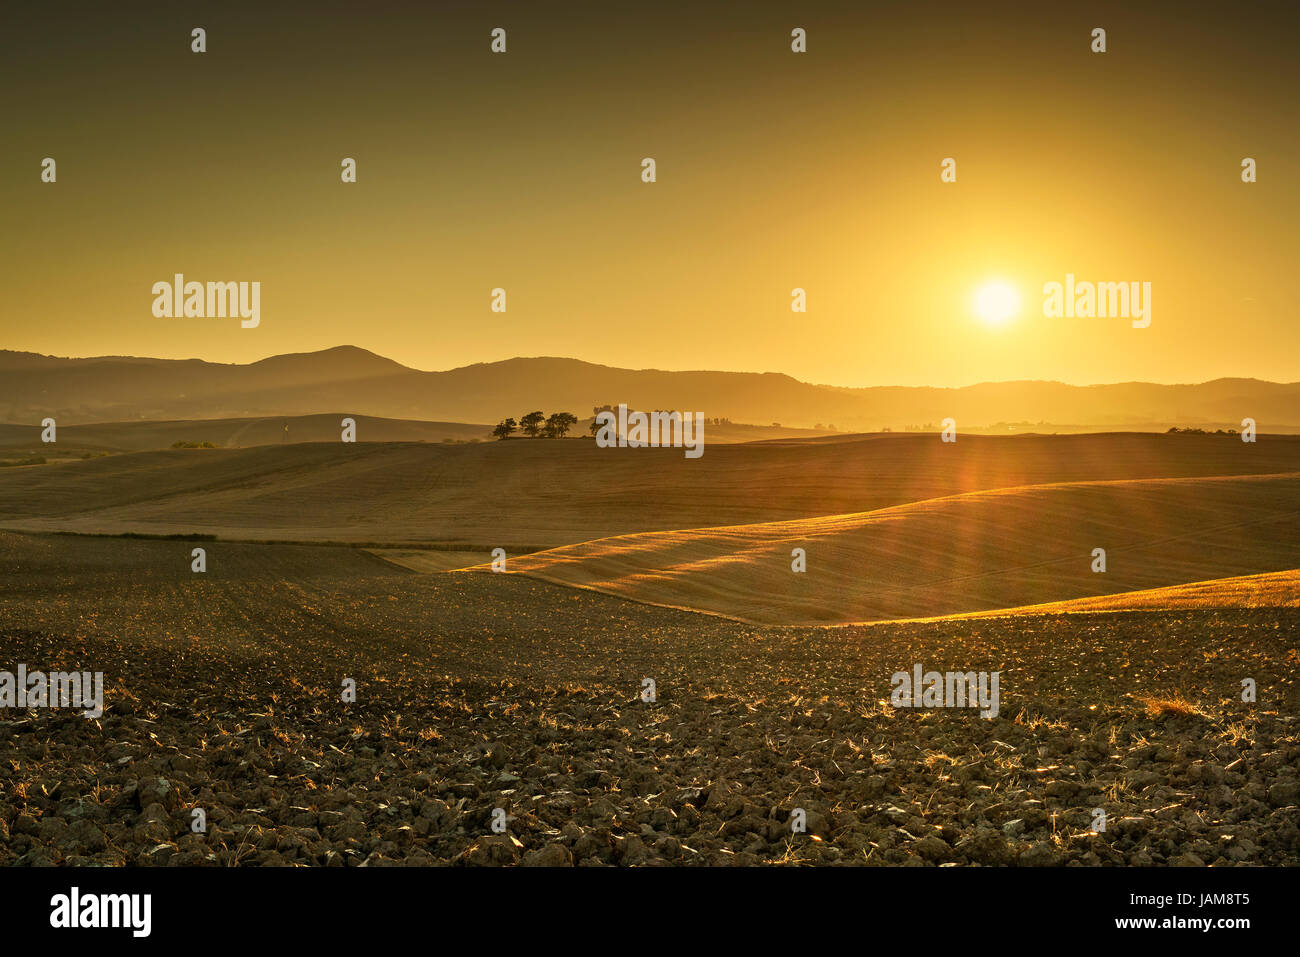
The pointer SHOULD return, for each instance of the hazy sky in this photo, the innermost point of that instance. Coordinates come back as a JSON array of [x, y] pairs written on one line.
[[775, 170]]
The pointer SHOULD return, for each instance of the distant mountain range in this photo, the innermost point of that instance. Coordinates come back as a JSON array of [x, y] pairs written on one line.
[[346, 378]]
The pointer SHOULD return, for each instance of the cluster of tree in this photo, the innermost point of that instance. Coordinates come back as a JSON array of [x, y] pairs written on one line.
[[1202, 431], [537, 425], [183, 444], [596, 410]]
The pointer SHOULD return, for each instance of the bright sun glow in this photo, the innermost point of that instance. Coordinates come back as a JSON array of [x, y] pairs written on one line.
[[996, 302]]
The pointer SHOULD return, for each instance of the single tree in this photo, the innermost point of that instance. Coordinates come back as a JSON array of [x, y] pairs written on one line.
[[504, 428], [532, 424], [559, 423]]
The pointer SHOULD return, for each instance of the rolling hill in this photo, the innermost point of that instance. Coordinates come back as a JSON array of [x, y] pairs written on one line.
[[1266, 590], [543, 494], [152, 435], [232, 433], [117, 388], [976, 550]]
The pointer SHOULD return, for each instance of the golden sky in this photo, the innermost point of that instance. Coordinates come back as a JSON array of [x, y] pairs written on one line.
[[775, 170]]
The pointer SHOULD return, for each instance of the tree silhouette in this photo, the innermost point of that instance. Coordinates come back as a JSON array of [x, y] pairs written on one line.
[[559, 423], [532, 424], [504, 428]]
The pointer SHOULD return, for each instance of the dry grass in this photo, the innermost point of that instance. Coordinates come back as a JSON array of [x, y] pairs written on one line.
[[1172, 706], [975, 551], [1265, 590]]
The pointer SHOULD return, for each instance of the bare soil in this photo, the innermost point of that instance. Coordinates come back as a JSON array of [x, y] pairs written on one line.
[[481, 691]]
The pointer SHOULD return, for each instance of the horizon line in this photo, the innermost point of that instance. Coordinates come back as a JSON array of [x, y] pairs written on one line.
[[487, 362]]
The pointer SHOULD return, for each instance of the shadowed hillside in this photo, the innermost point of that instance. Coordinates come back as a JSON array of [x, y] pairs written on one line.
[[286, 430], [547, 493], [234, 433], [978, 550]]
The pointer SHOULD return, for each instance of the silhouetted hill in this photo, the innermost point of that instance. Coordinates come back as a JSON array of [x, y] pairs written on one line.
[[121, 388]]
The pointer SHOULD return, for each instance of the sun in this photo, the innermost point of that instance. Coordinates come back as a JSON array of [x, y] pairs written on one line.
[[996, 301]]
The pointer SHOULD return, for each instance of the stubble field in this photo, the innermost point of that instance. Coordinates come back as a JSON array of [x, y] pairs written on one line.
[[478, 691]]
